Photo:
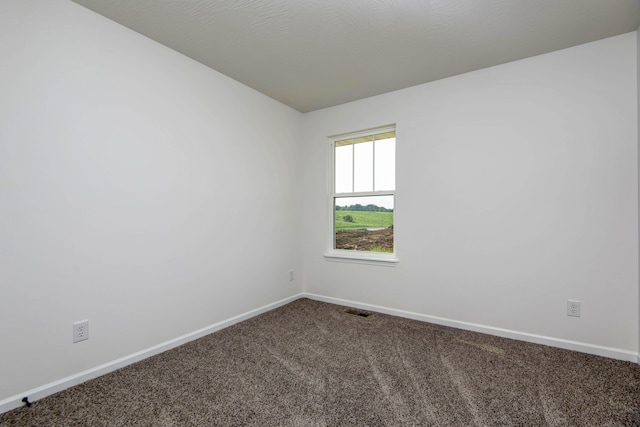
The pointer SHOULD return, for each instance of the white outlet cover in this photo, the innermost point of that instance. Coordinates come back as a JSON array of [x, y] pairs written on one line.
[[80, 331], [573, 308]]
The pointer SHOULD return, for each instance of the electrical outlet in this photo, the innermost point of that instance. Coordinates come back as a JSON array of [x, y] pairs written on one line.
[[573, 308], [81, 331], [291, 275]]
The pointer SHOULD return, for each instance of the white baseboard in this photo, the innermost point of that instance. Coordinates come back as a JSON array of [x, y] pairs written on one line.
[[64, 383], [612, 353]]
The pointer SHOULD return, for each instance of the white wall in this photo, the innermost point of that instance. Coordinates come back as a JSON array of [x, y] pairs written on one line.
[[138, 189], [129, 177], [517, 189]]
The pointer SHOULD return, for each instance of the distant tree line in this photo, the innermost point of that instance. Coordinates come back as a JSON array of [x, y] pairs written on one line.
[[367, 208]]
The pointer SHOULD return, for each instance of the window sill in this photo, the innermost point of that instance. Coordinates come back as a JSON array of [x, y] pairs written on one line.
[[374, 258]]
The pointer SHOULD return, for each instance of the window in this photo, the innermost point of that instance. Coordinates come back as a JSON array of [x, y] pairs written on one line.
[[363, 195]]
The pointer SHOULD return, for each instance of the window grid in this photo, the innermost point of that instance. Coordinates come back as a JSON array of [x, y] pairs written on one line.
[[372, 192]]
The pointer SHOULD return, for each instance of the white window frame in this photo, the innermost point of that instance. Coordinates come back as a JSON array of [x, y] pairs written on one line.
[[344, 255]]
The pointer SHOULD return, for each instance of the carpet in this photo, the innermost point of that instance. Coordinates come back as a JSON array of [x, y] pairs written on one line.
[[314, 364]]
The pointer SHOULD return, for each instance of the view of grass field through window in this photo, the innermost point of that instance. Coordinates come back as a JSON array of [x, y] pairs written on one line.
[[364, 180]]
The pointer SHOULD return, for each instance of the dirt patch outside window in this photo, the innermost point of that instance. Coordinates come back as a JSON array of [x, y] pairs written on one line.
[[365, 240]]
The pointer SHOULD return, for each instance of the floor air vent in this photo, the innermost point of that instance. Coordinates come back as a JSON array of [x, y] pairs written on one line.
[[359, 313]]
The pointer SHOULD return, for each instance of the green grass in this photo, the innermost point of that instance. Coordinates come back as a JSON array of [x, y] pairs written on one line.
[[363, 219], [379, 249]]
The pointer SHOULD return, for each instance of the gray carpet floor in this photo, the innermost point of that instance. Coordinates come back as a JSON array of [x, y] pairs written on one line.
[[313, 364]]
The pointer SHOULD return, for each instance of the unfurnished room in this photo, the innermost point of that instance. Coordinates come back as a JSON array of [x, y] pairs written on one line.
[[319, 213]]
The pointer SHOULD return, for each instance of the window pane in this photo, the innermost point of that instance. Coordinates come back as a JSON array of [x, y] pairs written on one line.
[[385, 162], [363, 164], [364, 223], [344, 166]]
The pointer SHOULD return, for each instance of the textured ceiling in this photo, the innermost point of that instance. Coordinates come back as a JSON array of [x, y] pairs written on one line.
[[312, 54]]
